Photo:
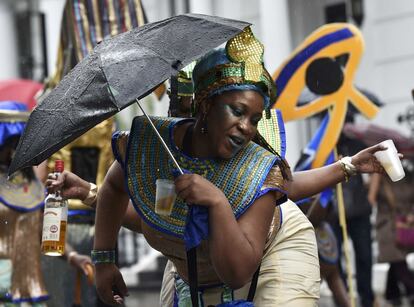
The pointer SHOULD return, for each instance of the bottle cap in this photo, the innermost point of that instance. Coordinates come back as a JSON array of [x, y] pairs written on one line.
[[59, 166]]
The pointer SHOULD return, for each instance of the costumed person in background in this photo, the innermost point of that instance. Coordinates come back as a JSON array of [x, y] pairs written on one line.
[[358, 211], [84, 25], [181, 93], [21, 203], [317, 209], [394, 200], [327, 249], [238, 182]]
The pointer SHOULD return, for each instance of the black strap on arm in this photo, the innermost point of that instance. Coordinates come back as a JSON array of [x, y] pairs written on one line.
[[192, 275], [253, 285]]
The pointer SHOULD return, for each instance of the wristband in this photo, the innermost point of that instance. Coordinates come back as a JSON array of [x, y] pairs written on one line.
[[347, 167], [90, 200], [98, 256]]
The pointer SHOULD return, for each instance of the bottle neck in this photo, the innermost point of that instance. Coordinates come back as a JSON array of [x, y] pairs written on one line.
[[56, 175], [59, 166]]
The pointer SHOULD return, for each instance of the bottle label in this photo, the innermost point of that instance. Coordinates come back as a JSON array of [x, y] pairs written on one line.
[[52, 218]]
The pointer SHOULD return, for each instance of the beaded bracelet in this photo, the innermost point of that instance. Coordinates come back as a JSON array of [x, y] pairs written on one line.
[[90, 200], [98, 256], [347, 167]]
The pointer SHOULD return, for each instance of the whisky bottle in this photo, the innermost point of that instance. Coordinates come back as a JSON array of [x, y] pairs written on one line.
[[55, 218]]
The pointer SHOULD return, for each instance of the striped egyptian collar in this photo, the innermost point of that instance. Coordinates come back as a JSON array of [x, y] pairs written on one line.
[[240, 178]]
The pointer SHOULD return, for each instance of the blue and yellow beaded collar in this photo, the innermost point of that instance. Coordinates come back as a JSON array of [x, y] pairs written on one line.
[[240, 178]]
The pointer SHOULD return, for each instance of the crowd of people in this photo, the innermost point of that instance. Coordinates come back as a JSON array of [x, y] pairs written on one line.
[[256, 246]]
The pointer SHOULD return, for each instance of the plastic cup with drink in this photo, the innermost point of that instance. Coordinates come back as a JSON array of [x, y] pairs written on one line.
[[390, 161], [164, 196]]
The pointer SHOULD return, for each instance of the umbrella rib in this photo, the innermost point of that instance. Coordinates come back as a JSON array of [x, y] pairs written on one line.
[[113, 100], [173, 65]]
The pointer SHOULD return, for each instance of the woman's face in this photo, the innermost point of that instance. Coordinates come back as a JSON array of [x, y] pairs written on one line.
[[231, 121]]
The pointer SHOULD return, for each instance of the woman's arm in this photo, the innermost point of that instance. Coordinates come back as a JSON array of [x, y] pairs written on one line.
[[131, 219], [307, 183], [74, 187], [236, 247], [111, 206]]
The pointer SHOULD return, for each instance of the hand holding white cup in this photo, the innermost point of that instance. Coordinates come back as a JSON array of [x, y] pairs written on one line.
[[390, 160]]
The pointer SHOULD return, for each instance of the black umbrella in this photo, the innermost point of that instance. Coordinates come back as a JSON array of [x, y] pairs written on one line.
[[118, 71]]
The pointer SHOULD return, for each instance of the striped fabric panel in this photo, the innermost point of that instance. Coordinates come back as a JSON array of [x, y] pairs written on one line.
[[87, 22]]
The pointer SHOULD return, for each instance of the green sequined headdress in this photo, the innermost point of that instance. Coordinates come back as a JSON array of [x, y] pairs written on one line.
[[237, 67]]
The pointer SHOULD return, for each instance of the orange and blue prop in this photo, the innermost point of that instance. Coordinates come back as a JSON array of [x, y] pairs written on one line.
[[325, 63]]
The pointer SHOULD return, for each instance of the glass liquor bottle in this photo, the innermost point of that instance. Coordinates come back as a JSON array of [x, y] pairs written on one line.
[[55, 218]]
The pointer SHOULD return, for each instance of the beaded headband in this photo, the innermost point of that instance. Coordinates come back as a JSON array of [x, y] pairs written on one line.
[[241, 63]]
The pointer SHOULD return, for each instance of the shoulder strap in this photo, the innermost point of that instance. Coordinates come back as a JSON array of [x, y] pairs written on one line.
[[253, 285], [192, 275]]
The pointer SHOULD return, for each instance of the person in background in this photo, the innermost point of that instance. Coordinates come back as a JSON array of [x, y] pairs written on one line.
[[317, 214], [21, 203], [358, 211], [394, 200], [84, 24]]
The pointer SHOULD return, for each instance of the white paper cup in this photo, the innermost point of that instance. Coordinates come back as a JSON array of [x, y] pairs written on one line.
[[390, 161], [164, 196]]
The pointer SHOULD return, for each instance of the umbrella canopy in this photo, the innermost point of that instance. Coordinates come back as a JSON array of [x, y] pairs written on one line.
[[21, 90], [371, 134], [119, 70]]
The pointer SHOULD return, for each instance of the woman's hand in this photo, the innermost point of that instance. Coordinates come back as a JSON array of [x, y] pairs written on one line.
[[70, 185], [196, 190], [365, 161], [82, 263], [108, 277]]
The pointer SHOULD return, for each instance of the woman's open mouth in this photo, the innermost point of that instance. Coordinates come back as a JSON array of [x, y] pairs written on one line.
[[236, 141]]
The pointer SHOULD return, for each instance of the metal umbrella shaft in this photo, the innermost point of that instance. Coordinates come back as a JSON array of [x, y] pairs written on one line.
[[160, 138]]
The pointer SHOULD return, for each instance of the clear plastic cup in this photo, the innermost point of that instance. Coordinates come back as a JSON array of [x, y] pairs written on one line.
[[164, 196], [390, 161]]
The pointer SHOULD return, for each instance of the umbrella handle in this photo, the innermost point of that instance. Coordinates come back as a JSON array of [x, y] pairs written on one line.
[[77, 295], [91, 274], [160, 138]]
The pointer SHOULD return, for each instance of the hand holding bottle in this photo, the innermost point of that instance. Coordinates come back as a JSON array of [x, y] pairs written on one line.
[[55, 219], [70, 185]]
